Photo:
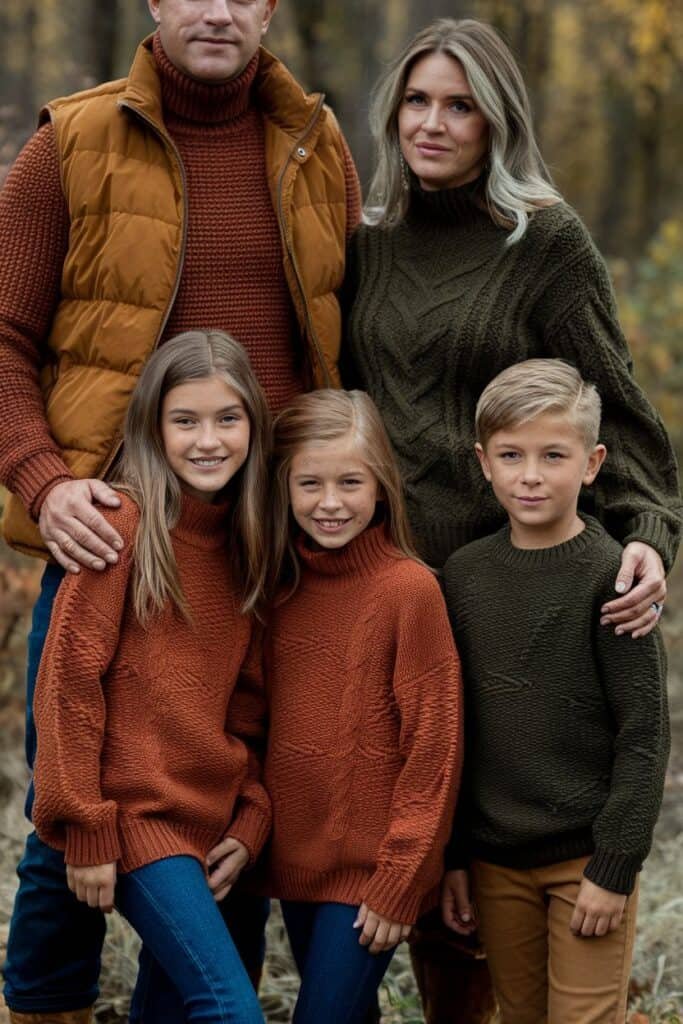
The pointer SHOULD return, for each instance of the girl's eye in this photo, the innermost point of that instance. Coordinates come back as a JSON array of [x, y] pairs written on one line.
[[230, 418], [183, 421], [508, 456], [351, 481]]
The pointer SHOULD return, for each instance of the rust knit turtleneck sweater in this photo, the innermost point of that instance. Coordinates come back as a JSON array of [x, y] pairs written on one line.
[[143, 731], [365, 736]]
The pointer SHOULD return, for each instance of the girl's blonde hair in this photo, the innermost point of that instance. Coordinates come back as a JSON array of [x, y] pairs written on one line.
[[517, 180], [145, 474], [316, 419]]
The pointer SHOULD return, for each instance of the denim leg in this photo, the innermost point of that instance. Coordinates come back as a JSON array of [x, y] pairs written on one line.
[[55, 941], [340, 977], [245, 916], [42, 611], [171, 907]]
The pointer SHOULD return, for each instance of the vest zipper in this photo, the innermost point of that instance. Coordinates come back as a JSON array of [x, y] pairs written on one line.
[[168, 143], [290, 249]]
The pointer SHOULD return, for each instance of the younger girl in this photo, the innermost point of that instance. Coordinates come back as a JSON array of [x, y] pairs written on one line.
[[365, 718], [149, 688]]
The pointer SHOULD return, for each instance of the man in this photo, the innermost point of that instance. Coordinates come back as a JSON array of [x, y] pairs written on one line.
[[205, 190]]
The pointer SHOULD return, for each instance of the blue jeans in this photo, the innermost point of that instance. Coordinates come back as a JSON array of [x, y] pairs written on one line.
[[55, 941], [170, 905], [339, 977], [156, 997]]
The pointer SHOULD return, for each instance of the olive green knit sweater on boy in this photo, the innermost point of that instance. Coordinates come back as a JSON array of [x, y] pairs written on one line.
[[567, 732]]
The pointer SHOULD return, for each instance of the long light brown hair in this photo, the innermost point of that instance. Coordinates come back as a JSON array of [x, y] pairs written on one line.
[[318, 418], [145, 474], [517, 179]]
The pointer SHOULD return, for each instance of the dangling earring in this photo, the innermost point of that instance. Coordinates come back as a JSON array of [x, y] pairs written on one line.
[[405, 180]]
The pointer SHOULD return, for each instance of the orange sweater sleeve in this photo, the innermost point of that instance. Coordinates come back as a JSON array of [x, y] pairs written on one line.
[[34, 237], [428, 692], [246, 720], [69, 811]]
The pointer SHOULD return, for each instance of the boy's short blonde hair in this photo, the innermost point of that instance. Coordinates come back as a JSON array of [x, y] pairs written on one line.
[[532, 388]]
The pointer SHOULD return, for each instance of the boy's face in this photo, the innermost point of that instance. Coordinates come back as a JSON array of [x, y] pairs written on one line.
[[536, 470]]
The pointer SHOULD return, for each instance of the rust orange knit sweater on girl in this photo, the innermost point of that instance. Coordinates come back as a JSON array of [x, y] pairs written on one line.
[[365, 742], [141, 732]]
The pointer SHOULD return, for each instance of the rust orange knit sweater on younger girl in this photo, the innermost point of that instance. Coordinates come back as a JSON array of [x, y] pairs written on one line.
[[365, 742]]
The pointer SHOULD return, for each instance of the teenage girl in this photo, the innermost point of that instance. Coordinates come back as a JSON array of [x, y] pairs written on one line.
[[150, 687], [365, 706]]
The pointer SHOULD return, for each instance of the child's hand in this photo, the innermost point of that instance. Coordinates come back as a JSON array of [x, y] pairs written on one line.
[[457, 909], [597, 910], [229, 857], [379, 932], [93, 885]]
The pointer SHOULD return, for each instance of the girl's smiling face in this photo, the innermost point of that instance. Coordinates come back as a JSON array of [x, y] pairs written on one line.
[[332, 492], [205, 430], [443, 135]]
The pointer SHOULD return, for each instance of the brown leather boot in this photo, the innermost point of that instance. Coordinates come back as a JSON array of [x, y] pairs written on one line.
[[65, 1017]]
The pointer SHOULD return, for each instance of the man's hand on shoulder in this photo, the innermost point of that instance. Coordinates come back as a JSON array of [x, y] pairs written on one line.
[[75, 533]]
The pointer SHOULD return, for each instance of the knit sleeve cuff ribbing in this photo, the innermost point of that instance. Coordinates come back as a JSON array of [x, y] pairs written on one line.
[[33, 479], [614, 871], [87, 847], [251, 827], [385, 894], [656, 532]]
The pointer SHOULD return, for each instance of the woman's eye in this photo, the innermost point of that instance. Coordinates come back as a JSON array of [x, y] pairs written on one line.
[[508, 456], [415, 99], [461, 107]]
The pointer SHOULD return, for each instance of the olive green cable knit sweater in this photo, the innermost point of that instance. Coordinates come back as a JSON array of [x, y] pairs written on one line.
[[439, 305]]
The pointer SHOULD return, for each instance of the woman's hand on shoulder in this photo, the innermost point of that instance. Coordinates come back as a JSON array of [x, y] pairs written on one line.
[[225, 864], [457, 910], [93, 885], [379, 933], [638, 611]]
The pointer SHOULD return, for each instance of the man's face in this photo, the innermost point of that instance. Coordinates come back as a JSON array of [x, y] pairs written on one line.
[[211, 40]]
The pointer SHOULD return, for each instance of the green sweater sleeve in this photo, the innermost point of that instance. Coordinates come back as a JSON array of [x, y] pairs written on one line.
[[634, 679], [637, 491]]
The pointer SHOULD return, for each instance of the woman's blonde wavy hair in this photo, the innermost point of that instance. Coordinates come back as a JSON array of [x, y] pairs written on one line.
[[517, 179], [144, 472], [318, 418]]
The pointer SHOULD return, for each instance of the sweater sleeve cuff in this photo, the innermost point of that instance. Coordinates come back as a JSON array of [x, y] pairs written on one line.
[[33, 479], [658, 533], [614, 871], [385, 894], [85, 848], [251, 827]]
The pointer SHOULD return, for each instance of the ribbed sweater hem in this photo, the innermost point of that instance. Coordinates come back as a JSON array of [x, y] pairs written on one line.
[[549, 850], [145, 840], [351, 886]]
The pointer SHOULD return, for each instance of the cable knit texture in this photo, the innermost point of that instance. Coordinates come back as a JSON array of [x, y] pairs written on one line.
[[440, 305], [147, 737], [567, 726], [365, 731]]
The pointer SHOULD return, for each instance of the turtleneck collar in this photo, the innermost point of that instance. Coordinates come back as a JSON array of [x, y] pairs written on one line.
[[200, 102], [364, 554], [465, 204], [202, 524]]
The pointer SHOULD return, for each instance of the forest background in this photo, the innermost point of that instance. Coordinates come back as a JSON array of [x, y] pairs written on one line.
[[606, 82]]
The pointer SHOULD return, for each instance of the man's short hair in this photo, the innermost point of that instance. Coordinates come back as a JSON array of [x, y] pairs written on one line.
[[534, 387]]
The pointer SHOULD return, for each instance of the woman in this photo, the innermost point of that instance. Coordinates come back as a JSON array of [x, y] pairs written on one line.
[[470, 261]]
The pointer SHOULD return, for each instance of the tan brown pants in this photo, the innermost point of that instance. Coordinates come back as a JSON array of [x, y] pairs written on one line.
[[542, 973], [451, 974]]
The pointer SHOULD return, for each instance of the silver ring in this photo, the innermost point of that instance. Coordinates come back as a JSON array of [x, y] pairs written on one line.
[[657, 607]]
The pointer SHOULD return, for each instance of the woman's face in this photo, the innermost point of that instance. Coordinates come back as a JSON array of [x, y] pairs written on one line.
[[443, 135]]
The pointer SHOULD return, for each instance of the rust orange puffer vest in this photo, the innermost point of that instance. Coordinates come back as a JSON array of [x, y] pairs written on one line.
[[124, 186]]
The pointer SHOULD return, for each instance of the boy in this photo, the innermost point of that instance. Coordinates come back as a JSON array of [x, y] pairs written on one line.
[[567, 724]]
